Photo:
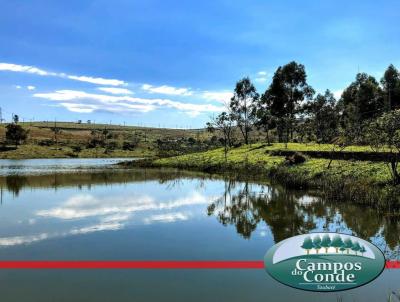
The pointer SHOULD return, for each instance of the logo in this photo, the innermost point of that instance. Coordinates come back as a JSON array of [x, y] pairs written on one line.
[[324, 262]]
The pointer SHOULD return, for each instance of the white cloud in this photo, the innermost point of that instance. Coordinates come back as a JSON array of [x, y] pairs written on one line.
[[41, 72], [169, 217], [30, 87], [22, 68], [99, 81], [80, 101], [115, 90], [17, 240], [217, 96], [262, 76], [338, 94], [79, 108], [109, 214], [17, 86], [113, 210], [261, 79], [169, 90], [113, 226]]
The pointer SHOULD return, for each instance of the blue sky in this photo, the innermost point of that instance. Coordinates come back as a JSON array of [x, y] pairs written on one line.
[[174, 63]]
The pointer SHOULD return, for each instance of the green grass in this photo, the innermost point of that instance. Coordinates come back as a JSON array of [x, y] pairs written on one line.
[[74, 134], [256, 155], [361, 182]]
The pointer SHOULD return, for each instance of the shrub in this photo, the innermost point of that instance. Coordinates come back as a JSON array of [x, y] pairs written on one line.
[[76, 149], [296, 158], [46, 142], [129, 145], [16, 134]]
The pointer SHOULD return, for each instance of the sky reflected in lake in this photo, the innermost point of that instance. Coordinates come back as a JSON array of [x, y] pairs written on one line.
[[168, 215]]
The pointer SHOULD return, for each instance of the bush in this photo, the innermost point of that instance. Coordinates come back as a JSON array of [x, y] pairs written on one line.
[[76, 149], [16, 134], [296, 158], [112, 145], [129, 146], [95, 142], [46, 143]]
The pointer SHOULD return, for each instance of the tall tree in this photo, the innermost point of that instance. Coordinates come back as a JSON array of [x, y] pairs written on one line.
[[391, 87], [263, 118], [223, 123], [244, 98], [323, 116], [384, 135], [288, 89], [360, 102]]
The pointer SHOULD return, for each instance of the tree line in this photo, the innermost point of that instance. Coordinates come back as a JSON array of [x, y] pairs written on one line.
[[290, 110], [291, 107]]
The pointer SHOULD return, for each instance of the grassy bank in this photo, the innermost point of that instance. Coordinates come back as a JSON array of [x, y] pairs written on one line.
[[362, 182]]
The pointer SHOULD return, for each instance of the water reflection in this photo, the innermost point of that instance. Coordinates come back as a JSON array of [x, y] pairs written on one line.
[[112, 200], [61, 205], [288, 213]]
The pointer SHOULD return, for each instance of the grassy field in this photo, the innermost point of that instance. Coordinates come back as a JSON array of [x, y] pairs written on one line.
[[74, 134], [257, 155], [361, 182]]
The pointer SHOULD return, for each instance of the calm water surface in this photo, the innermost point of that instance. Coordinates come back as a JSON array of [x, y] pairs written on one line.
[[51, 165], [76, 209]]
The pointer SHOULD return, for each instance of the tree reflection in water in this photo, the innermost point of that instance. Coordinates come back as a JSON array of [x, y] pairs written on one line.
[[288, 213], [245, 205]]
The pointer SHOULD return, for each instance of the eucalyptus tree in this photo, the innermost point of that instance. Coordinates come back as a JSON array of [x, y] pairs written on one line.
[[361, 102], [391, 87], [224, 124], [289, 88], [241, 106], [263, 118], [323, 116]]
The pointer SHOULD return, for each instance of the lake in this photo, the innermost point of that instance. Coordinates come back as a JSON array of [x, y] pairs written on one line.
[[83, 209]]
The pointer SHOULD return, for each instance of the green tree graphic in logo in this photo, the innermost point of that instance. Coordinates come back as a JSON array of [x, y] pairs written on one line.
[[317, 243], [307, 244], [356, 247], [337, 242], [348, 244], [326, 242]]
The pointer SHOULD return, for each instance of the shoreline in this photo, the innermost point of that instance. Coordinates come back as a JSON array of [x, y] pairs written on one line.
[[42, 152], [361, 182]]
